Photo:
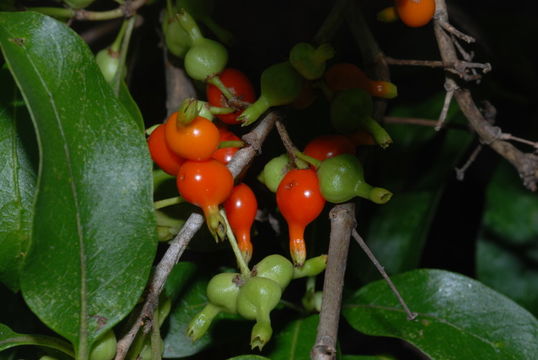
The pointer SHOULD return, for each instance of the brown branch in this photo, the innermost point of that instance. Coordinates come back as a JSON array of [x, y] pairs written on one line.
[[177, 246], [458, 67], [342, 222], [286, 141], [460, 172], [525, 163]]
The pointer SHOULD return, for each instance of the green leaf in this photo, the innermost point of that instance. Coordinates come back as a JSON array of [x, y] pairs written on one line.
[[18, 156], [127, 100], [416, 168], [458, 317], [367, 357], [507, 250], [187, 289], [249, 357], [9, 339], [93, 238], [295, 341]]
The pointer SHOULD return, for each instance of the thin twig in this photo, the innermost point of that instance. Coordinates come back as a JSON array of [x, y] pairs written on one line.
[[459, 67], [332, 22], [525, 163], [286, 141], [342, 222], [460, 172], [410, 315], [510, 137], [450, 88], [178, 245]]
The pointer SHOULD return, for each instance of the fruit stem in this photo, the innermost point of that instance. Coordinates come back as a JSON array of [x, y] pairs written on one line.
[[231, 143], [126, 39], [159, 177], [381, 137], [311, 267], [215, 110], [190, 26], [241, 263], [254, 111], [169, 7], [215, 80], [167, 202], [117, 41], [309, 159]]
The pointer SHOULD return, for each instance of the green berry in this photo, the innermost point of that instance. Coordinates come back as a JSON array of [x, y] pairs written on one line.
[[105, 347], [274, 171], [280, 85], [109, 63], [351, 110], [258, 297], [341, 178], [222, 291], [277, 268], [176, 38], [311, 267]]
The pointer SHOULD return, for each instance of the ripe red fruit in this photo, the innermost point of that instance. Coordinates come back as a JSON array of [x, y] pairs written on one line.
[[161, 154], [327, 146], [241, 209], [239, 85], [224, 155], [299, 199], [206, 184], [196, 140]]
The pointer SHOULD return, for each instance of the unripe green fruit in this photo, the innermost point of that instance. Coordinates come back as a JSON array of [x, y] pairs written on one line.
[[177, 40], [280, 85], [205, 58], [109, 63], [310, 61], [341, 178], [257, 298], [277, 268], [222, 291], [105, 347], [274, 171], [351, 110], [78, 4], [46, 357]]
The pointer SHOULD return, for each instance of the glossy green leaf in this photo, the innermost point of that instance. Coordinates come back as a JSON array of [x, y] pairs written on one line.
[[507, 250], [18, 156], [295, 341], [9, 339], [418, 165], [187, 289], [458, 317], [127, 100], [93, 238]]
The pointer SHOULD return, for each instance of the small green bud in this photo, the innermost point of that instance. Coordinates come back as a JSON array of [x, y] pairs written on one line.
[[311, 267]]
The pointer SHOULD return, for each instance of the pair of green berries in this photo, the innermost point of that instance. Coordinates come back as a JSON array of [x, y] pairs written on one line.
[[341, 178], [253, 296]]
